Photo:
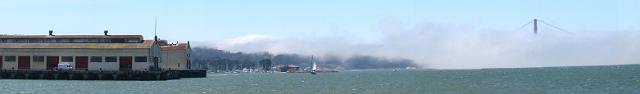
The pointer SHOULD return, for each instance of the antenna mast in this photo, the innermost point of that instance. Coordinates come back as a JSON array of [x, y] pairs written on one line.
[[155, 29], [156, 60]]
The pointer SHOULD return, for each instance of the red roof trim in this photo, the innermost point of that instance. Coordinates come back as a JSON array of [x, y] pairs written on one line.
[[71, 36]]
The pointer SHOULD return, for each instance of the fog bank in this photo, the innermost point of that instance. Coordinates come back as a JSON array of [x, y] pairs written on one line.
[[461, 47]]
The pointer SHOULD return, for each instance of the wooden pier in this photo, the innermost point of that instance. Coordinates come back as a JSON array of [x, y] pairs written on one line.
[[101, 75]]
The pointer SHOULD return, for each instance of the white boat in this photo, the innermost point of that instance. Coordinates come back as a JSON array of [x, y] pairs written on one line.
[[314, 67]]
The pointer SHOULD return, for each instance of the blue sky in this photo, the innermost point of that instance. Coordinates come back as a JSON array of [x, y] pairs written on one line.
[[209, 20]]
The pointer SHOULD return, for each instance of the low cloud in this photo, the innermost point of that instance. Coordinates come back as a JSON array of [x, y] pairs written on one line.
[[462, 47]]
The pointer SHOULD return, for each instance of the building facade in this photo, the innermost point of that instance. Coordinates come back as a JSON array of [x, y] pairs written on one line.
[[82, 52], [175, 56]]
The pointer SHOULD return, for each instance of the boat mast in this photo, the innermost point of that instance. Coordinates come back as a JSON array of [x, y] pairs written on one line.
[[313, 66]]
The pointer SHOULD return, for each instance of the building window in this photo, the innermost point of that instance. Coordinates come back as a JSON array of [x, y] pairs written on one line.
[[63, 40], [23, 41], [116, 40], [105, 40], [10, 40], [36, 40], [38, 58], [93, 40], [78, 40], [133, 40], [10, 58], [49, 40], [110, 59], [96, 59], [67, 59], [141, 59]]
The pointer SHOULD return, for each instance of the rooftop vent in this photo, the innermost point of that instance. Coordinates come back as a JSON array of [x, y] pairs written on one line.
[[106, 32], [50, 32]]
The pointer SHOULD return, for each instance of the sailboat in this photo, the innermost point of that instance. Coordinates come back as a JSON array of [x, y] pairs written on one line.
[[314, 67]]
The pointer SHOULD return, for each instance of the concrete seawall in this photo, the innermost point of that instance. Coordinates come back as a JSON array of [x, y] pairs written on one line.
[[101, 75]]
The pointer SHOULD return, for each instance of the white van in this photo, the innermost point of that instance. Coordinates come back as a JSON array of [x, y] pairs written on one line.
[[63, 66]]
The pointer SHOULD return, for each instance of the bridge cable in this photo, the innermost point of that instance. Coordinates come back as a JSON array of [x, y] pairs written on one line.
[[558, 28], [524, 25]]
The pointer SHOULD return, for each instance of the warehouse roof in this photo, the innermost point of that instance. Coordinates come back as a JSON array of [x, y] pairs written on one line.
[[71, 36], [174, 47], [144, 44]]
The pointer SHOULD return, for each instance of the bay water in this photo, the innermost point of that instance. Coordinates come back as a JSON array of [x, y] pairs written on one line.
[[619, 79]]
